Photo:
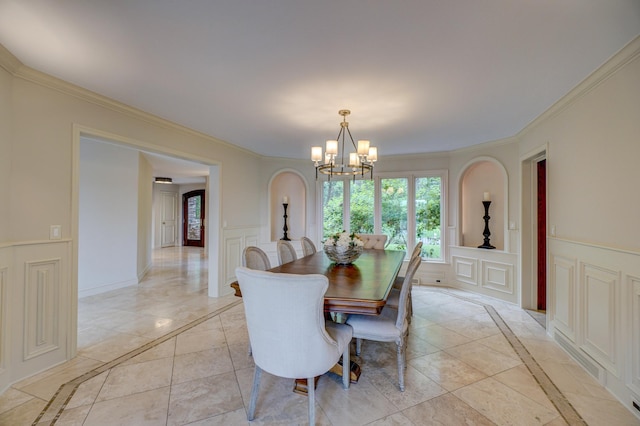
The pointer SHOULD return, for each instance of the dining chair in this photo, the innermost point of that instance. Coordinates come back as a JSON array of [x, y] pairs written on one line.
[[392, 325], [373, 241], [286, 252], [305, 347], [255, 258], [394, 295], [308, 248]]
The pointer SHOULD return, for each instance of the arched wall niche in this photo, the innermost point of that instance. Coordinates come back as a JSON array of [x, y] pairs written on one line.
[[290, 184], [483, 175]]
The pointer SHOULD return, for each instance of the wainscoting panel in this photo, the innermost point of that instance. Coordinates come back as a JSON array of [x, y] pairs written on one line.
[[563, 295], [595, 312], [465, 269], [497, 276], [4, 326], [234, 242], [40, 314], [599, 309], [634, 285], [42, 307], [489, 272]]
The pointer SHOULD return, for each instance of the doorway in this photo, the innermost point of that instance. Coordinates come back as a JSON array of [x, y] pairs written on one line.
[[541, 172], [193, 218], [533, 246]]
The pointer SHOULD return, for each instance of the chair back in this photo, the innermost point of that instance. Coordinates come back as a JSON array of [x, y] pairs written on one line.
[[286, 252], [402, 321], [373, 241], [416, 250], [255, 258], [308, 248], [285, 320]]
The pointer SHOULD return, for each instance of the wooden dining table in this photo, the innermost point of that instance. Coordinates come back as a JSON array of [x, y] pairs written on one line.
[[359, 288]]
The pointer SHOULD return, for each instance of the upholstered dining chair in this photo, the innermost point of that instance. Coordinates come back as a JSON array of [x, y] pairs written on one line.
[[255, 258], [308, 248], [392, 325], [286, 252], [373, 241], [394, 295], [307, 347]]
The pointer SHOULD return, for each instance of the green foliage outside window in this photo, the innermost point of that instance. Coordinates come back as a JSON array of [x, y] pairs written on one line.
[[332, 205], [428, 215]]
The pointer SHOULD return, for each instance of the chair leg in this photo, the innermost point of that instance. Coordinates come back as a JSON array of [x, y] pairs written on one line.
[[346, 367], [311, 395], [254, 393], [358, 346], [400, 349]]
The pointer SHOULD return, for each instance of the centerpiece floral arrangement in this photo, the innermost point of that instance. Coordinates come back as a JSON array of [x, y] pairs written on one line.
[[343, 248]]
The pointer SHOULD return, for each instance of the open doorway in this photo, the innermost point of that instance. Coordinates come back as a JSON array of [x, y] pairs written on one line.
[[128, 201], [534, 235]]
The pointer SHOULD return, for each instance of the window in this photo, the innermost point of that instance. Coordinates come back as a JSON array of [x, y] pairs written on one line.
[[332, 202], [406, 207], [361, 203]]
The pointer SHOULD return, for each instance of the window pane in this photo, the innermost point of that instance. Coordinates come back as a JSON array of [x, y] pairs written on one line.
[[428, 216], [361, 208], [332, 203], [394, 212]]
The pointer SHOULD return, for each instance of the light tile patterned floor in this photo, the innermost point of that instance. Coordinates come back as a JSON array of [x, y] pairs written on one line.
[[163, 353]]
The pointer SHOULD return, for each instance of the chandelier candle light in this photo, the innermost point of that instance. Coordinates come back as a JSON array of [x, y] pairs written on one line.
[[360, 162]]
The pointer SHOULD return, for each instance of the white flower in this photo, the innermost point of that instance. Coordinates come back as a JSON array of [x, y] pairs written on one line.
[[344, 240]]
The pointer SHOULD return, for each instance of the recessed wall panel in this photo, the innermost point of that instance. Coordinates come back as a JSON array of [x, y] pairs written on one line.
[[465, 269], [41, 307], [497, 276], [562, 281], [598, 318], [634, 284]]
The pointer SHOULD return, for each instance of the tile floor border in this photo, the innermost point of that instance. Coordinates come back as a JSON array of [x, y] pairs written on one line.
[[63, 395], [562, 404]]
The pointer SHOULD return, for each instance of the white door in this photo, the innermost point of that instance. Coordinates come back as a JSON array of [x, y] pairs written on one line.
[[169, 219]]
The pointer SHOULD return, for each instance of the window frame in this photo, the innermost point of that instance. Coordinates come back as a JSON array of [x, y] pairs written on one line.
[[411, 177]]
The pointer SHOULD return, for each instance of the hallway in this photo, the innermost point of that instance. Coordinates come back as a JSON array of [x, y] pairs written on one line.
[[163, 353]]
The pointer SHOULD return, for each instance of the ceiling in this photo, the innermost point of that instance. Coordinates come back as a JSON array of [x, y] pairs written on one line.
[[418, 75]]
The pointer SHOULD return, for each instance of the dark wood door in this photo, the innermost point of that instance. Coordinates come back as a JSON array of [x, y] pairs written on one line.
[[193, 218], [542, 234]]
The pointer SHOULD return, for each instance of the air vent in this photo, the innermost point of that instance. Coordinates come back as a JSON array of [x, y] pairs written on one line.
[[591, 366]]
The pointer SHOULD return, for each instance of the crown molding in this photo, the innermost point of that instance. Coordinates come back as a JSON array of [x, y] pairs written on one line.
[[8, 61], [34, 76], [624, 56]]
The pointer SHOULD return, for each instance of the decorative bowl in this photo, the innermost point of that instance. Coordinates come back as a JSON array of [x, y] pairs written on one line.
[[343, 255]]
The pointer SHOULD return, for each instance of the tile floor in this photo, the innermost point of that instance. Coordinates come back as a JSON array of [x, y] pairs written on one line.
[[163, 353]]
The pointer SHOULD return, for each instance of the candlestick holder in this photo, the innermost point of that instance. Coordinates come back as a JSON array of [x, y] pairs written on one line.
[[486, 233], [285, 228]]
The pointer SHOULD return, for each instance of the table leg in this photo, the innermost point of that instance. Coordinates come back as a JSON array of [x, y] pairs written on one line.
[[301, 384]]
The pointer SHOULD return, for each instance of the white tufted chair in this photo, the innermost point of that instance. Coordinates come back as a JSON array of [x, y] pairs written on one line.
[[286, 252], [287, 330], [390, 326], [308, 248], [373, 241], [255, 258]]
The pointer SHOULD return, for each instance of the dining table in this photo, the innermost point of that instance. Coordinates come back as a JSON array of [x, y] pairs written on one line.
[[361, 287]]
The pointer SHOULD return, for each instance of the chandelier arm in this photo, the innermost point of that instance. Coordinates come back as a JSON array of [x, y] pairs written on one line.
[[352, 141]]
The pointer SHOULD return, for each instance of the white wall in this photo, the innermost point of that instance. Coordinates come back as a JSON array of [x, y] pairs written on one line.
[[593, 303], [5, 152], [108, 218], [145, 211]]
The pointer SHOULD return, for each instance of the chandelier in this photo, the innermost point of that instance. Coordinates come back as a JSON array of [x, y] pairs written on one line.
[[359, 162]]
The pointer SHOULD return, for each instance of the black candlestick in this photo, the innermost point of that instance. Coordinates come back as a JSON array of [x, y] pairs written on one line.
[[486, 233], [285, 229]]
